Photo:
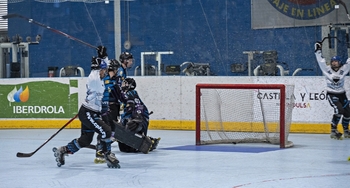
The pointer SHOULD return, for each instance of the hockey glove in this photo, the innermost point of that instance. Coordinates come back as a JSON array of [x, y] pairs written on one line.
[[102, 52], [318, 46], [95, 63], [134, 125]]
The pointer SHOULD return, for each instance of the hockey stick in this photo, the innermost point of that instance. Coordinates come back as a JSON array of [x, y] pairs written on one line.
[[329, 37], [346, 9], [19, 154], [47, 27]]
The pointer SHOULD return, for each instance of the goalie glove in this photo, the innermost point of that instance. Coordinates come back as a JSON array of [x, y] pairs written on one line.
[[134, 125], [318, 46]]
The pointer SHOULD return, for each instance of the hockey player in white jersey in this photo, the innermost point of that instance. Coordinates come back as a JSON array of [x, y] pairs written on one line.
[[335, 77], [90, 117]]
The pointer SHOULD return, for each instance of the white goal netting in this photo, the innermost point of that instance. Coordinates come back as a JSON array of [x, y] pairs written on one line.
[[243, 113]]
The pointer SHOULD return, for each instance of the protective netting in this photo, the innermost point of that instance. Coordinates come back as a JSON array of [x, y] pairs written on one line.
[[244, 115], [61, 1]]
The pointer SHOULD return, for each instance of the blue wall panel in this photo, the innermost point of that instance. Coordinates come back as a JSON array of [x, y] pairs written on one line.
[[206, 31]]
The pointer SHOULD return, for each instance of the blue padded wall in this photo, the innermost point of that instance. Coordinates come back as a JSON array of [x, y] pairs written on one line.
[[206, 31]]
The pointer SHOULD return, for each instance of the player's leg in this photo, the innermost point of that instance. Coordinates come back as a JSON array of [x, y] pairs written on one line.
[[345, 124], [99, 157], [111, 159], [335, 134], [334, 101], [72, 147], [104, 130], [346, 118], [114, 114], [96, 123]]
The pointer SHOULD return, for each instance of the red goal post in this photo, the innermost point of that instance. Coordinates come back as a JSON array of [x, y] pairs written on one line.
[[240, 113]]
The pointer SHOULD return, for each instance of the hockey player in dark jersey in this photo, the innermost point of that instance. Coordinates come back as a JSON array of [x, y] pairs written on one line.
[[335, 77], [110, 100], [127, 61], [110, 105], [90, 117], [136, 115]]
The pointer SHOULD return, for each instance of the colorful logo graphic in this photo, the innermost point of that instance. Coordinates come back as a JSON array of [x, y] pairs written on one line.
[[18, 95], [304, 9]]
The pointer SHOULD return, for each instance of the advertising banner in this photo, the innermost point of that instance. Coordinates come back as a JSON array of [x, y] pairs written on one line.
[[298, 13], [39, 98]]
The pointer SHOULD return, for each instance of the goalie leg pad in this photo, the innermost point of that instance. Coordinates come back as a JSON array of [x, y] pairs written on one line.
[[125, 148], [146, 145], [136, 141]]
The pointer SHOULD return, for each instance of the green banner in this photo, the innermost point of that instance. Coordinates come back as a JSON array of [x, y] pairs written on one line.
[[39, 99]]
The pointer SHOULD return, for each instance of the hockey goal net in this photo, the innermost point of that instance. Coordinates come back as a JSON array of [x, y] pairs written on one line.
[[241, 113]]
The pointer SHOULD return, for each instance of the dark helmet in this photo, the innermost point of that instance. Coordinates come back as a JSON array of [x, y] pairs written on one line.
[[125, 56], [128, 84], [113, 65]]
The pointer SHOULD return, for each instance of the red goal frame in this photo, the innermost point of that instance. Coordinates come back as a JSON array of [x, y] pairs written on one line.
[[281, 87]]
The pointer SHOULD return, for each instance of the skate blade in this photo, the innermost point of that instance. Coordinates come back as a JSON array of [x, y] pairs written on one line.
[[110, 165], [55, 153]]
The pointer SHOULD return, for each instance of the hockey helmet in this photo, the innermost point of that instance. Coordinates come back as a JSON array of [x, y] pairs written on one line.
[[336, 66], [125, 56], [337, 58], [128, 84], [113, 65]]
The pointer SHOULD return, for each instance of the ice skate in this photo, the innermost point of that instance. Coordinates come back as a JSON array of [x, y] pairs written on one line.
[[111, 160], [99, 157], [155, 142], [59, 153], [346, 134], [336, 135]]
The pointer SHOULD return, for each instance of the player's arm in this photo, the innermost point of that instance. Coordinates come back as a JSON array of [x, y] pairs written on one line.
[[346, 66], [320, 60]]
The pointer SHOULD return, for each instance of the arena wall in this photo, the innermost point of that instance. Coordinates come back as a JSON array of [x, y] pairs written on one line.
[[51, 102]]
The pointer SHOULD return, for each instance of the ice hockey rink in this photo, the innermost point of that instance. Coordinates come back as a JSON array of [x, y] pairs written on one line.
[[314, 161]]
